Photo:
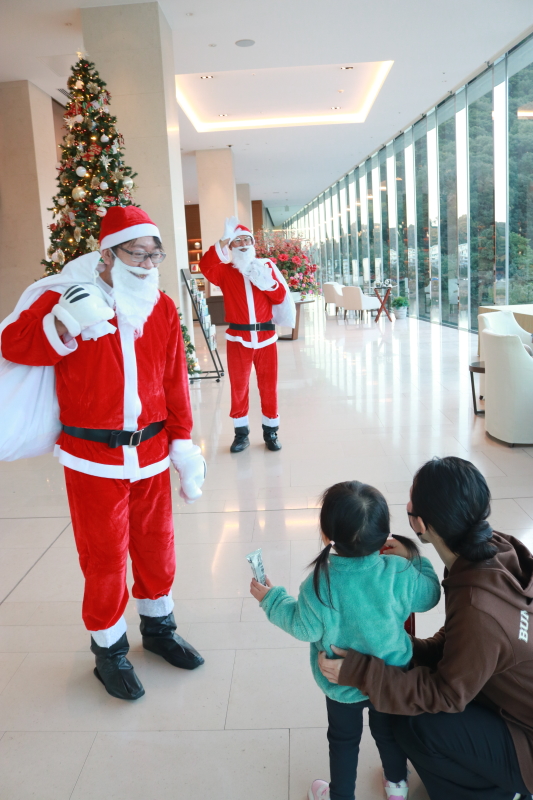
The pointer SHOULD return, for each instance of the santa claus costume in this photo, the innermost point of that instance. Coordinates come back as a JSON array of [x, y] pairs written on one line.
[[256, 297], [122, 391]]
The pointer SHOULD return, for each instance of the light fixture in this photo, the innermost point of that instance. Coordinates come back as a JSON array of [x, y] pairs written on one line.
[[206, 77], [335, 108], [222, 115], [245, 42], [525, 112], [346, 67]]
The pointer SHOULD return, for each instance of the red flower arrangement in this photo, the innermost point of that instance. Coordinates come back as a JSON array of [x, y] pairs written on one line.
[[295, 265]]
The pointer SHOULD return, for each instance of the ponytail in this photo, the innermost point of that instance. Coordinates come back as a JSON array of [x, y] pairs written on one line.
[[321, 569], [476, 544]]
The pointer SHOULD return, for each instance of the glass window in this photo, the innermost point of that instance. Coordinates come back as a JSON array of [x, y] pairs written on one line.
[[401, 206], [520, 78], [392, 215], [422, 216], [463, 264], [448, 212], [365, 245], [385, 263], [354, 237], [371, 231], [481, 188]]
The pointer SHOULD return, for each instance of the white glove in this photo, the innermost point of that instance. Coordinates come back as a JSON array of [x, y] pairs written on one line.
[[80, 307], [229, 228], [190, 464], [261, 276]]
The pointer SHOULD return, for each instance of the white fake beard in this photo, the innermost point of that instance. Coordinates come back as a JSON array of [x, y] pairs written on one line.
[[242, 259], [135, 298]]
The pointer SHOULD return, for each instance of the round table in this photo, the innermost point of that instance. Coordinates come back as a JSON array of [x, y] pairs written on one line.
[[479, 367]]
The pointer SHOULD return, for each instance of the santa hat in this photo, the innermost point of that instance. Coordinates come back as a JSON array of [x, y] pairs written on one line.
[[241, 230], [124, 223]]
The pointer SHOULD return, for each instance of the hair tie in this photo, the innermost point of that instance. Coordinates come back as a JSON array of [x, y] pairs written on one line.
[[331, 544]]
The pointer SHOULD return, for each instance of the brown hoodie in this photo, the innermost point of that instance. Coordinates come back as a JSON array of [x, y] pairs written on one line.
[[484, 650]]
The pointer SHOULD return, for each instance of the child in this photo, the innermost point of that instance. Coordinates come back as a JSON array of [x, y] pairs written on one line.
[[356, 599]]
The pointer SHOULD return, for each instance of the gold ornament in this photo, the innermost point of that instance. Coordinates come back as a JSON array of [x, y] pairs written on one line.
[[95, 182], [92, 242], [70, 139], [77, 234], [78, 193], [59, 256], [117, 175], [93, 87]]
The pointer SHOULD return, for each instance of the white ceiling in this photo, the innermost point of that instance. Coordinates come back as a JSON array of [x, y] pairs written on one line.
[[434, 46]]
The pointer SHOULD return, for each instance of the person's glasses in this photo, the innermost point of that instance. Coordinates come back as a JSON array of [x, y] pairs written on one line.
[[243, 241], [138, 256], [410, 514]]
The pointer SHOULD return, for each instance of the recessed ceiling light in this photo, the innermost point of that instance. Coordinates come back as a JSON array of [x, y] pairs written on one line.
[[212, 45], [189, 14], [335, 108], [205, 77], [222, 115], [346, 67], [245, 42]]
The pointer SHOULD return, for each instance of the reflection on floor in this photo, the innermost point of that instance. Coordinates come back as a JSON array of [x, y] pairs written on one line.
[[358, 400]]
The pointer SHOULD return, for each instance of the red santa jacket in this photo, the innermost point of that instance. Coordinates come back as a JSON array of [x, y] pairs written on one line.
[[116, 382], [244, 303]]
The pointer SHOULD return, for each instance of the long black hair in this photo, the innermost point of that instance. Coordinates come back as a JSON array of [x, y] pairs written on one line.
[[355, 516], [451, 496]]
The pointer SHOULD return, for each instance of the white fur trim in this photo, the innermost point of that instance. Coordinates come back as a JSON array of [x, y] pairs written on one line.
[[134, 232], [109, 636], [223, 254], [180, 447], [117, 471], [161, 607], [72, 325], [50, 331], [132, 403], [270, 423], [252, 345], [241, 422]]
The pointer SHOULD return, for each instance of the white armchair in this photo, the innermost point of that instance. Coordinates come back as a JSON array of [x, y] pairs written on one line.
[[354, 300], [508, 388], [332, 294], [499, 322]]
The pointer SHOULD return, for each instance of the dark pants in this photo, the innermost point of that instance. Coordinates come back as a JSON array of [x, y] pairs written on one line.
[[344, 735], [466, 756]]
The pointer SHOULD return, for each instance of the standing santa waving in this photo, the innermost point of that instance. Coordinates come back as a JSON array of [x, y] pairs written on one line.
[[256, 298], [114, 342]]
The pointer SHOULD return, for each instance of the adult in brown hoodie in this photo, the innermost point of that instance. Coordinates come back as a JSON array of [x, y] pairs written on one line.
[[465, 708]]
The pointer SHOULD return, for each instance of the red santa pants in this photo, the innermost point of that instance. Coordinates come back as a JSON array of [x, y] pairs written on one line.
[[265, 361], [110, 517]]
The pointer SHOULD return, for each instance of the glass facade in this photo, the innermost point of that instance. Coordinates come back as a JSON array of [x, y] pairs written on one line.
[[445, 210]]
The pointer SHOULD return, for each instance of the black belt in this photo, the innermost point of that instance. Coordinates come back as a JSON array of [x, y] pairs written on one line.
[[116, 438], [257, 326]]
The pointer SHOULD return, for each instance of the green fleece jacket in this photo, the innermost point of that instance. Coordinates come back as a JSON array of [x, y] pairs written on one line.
[[371, 599]]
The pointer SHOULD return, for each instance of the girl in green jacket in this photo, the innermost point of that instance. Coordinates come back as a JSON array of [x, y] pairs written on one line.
[[356, 599]]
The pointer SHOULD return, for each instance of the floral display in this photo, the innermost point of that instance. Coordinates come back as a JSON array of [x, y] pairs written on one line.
[[291, 258]]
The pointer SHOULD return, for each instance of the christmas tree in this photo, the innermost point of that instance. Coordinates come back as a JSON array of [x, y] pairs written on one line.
[[92, 174]]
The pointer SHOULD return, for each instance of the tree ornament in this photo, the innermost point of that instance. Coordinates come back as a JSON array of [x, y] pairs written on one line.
[[78, 84], [127, 183], [78, 118], [58, 257], [104, 186], [105, 161], [104, 138], [81, 172], [70, 139], [92, 242], [77, 233], [61, 201], [78, 193], [117, 175], [93, 87], [95, 182], [101, 212]]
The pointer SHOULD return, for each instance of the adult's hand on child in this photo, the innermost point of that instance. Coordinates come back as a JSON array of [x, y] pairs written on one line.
[[395, 548], [259, 591], [331, 667]]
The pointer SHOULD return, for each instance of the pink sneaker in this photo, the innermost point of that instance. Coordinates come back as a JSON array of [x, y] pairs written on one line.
[[319, 791], [396, 791]]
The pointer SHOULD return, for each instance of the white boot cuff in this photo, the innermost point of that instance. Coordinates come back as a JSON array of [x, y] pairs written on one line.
[[109, 636], [156, 608]]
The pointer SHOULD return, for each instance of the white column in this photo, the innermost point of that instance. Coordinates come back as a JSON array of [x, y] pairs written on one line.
[[131, 46], [244, 205], [217, 194], [28, 159]]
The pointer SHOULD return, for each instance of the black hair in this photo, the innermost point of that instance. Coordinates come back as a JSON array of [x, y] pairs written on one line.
[[355, 516], [157, 241], [451, 496]]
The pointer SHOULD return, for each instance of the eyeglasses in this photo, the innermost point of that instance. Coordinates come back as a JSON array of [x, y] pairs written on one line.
[[410, 514], [137, 256], [243, 241]]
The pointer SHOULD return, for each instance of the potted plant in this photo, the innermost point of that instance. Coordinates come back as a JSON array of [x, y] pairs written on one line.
[[399, 306], [292, 260]]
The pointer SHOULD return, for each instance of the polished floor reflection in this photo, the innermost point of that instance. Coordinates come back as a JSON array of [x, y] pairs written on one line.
[[358, 400]]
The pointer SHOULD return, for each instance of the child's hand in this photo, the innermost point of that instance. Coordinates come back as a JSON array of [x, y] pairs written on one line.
[[259, 591], [393, 547]]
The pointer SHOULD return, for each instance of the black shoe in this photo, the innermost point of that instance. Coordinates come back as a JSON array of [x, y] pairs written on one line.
[[270, 435], [241, 441], [115, 671], [159, 637]]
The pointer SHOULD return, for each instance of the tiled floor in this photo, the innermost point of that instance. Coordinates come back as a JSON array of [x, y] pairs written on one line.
[[358, 400]]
